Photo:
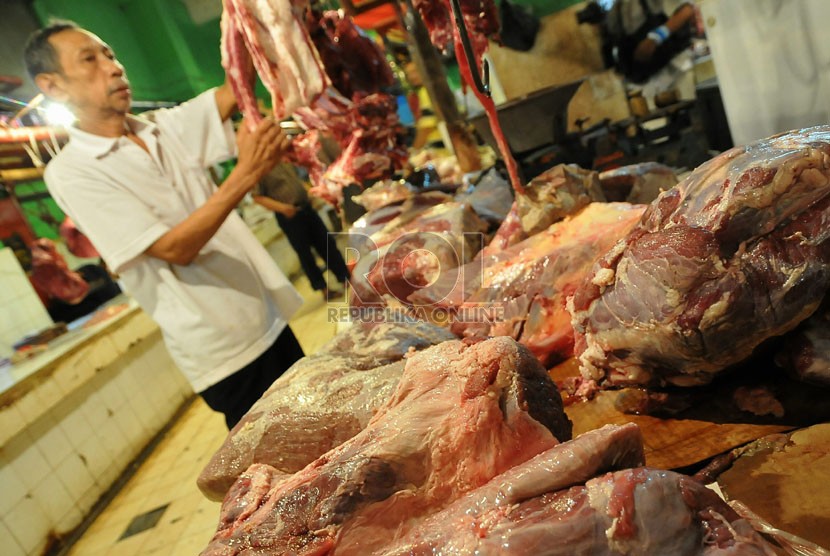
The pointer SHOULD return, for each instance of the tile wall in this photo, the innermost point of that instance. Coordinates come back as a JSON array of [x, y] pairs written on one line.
[[61, 460], [22, 310]]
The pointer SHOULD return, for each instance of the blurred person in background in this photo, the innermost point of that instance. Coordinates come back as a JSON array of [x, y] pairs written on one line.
[[283, 192]]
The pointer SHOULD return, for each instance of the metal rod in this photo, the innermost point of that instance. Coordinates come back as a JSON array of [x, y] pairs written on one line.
[[482, 86]]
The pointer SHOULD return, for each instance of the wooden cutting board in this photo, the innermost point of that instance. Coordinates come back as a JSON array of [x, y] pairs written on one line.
[[787, 485], [670, 443]]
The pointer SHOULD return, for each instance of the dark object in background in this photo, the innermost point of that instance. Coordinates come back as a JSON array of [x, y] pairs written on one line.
[[713, 115], [591, 13], [805, 352], [102, 288], [351, 210], [519, 26], [640, 72]]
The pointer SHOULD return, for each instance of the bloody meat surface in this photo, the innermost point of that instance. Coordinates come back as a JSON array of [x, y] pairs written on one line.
[[735, 254], [462, 413]]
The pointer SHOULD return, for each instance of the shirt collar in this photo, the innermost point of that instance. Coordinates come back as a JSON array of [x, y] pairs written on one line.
[[100, 146]]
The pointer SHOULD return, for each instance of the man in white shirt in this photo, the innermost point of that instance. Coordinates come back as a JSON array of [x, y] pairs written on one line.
[[138, 188]]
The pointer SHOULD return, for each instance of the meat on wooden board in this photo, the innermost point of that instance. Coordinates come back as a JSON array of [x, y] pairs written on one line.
[[737, 253]]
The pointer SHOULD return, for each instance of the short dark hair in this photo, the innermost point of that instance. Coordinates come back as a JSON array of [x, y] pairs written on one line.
[[39, 54]]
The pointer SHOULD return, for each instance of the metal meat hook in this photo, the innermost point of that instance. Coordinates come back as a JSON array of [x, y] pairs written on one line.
[[483, 85]]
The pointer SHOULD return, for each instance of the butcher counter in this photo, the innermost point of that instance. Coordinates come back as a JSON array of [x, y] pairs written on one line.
[[74, 416]]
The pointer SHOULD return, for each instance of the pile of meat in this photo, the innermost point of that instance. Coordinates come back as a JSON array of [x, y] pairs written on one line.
[[526, 286], [465, 458], [322, 401], [408, 254], [518, 285], [735, 254]]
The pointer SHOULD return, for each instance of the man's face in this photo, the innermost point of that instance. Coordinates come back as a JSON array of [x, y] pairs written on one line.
[[91, 81]]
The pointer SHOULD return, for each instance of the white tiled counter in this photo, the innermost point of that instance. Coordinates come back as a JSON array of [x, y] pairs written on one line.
[[74, 417]]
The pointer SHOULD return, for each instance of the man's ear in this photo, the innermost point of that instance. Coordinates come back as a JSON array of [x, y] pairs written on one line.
[[52, 86]]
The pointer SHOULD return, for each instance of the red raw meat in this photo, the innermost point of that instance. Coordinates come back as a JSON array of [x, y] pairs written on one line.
[[530, 282], [322, 401], [353, 62], [410, 251], [462, 413], [273, 34], [51, 275], [736, 253]]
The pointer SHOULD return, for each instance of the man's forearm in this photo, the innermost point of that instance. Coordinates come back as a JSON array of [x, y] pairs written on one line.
[[680, 17], [184, 241]]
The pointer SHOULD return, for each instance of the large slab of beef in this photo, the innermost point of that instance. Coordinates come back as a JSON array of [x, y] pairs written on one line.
[[735, 254], [555, 504], [525, 287], [462, 414], [322, 401]]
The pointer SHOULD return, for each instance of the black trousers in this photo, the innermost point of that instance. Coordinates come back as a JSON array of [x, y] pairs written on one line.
[[306, 230], [234, 395]]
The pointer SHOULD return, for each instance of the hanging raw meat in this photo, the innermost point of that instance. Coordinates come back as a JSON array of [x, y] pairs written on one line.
[[273, 34], [481, 22], [368, 133], [353, 62], [480, 16]]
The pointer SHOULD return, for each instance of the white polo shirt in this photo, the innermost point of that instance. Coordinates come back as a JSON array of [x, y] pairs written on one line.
[[224, 309]]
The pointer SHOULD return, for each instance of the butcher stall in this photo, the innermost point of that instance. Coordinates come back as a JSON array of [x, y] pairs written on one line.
[[578, 320]]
